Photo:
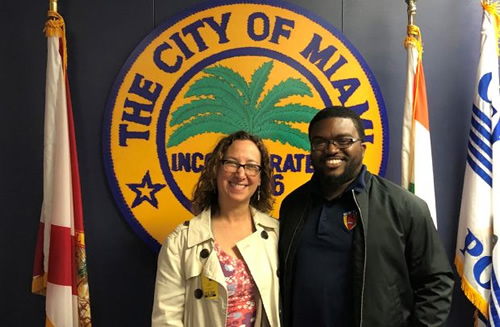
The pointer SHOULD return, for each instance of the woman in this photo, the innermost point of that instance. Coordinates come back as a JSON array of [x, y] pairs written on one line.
[[220, 268]]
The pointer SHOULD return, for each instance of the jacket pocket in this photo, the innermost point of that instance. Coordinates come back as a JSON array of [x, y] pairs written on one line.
[[397, 307]]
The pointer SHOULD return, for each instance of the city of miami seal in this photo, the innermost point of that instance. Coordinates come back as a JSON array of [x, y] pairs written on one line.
[[263, 67]]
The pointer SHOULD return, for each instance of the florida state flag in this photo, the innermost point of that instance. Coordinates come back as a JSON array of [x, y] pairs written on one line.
[[60, 271]]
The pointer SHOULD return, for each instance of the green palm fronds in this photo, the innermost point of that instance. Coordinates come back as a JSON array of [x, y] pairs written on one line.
[[280, 131], [216, 88], [292, 113], [204, 107], [224, 103], [211, 124], [231, 78], [258, 81], [281, 91]]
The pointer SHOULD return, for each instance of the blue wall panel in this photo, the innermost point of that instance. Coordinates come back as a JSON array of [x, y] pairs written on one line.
[[101, 36]]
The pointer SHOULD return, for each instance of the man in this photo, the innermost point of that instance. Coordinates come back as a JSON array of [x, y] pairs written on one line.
[[354, 248]]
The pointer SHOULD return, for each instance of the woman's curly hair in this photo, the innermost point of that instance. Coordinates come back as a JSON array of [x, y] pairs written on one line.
[[205, 193]]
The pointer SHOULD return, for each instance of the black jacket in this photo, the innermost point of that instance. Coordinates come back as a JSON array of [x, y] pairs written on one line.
[[401, 274]]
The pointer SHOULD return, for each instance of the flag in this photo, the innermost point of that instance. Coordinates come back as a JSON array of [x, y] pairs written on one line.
[[416, 156], [59, 270], [477, 254]]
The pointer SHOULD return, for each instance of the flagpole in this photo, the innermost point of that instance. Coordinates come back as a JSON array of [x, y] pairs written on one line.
[[412, 10]]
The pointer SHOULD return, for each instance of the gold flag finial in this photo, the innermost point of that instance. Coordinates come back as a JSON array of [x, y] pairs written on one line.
[[53, 5]]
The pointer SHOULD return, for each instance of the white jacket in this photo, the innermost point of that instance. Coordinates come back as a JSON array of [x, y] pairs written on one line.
[[188, 254]]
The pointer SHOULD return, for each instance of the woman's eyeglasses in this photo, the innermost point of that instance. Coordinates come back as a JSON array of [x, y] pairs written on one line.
[[232, 166]]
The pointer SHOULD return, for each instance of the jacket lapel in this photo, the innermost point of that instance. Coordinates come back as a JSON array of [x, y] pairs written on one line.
[[200, 237]]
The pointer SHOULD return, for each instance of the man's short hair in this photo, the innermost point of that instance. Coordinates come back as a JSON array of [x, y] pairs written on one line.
[[339, 112]]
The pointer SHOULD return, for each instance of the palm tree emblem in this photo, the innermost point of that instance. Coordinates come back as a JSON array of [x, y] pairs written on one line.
[[225, 103]]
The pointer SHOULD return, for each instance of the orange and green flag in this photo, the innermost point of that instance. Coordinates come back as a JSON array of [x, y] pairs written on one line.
[[417, 173]]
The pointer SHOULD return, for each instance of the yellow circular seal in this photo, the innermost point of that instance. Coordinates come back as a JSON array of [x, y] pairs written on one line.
[[263, 67]]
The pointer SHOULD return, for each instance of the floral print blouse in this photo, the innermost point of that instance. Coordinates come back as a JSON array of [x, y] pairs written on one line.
[[241, 290]]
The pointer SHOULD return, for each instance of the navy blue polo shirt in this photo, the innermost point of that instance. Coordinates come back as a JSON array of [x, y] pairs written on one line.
[[322, 286]]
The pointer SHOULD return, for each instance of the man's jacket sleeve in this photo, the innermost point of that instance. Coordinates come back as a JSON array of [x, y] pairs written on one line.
[[430, 271]]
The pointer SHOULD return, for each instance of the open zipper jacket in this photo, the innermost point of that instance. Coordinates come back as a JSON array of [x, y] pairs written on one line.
[[401, 274]]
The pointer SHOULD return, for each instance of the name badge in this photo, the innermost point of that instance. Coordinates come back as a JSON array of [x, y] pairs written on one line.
[[210, 288]]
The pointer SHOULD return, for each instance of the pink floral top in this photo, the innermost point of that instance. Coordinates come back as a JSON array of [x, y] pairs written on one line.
[[241, 289]]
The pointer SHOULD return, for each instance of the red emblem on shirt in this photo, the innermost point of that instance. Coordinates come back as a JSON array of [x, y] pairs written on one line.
[[350, 219]]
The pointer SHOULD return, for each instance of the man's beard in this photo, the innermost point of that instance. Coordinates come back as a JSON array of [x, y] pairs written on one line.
[[332, 182]]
